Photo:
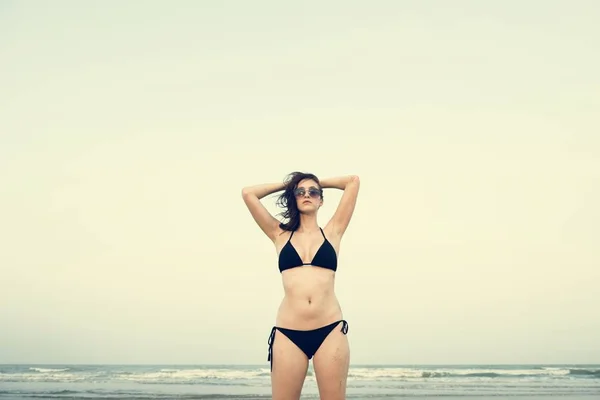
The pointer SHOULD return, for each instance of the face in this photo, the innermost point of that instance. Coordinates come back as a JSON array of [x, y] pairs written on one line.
[[308, 196]]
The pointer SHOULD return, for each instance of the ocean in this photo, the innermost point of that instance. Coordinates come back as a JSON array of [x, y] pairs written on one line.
[[228, 382]]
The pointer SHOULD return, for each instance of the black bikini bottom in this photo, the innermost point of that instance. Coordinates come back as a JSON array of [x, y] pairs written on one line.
[[308, 341]]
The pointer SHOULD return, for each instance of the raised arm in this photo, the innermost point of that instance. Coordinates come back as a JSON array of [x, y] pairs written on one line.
[[350, 185], [264, 219]]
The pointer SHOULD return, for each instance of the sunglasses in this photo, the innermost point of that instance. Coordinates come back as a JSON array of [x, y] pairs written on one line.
[[312, 192]]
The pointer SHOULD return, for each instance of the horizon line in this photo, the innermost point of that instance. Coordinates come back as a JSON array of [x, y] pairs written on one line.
[[351, 365]]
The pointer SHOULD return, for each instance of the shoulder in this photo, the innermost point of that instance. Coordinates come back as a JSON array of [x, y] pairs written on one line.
[[281, 236], [331, 235]]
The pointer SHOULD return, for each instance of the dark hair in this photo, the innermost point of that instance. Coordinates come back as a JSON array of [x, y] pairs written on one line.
[[287, 200]]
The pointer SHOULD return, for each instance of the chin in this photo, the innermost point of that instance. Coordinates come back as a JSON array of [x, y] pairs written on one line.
[[306, 207]]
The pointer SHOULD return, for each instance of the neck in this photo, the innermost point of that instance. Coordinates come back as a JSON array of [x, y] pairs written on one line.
[[308, 223]]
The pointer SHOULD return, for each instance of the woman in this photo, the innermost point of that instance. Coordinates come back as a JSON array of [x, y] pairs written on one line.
[[309, 322]]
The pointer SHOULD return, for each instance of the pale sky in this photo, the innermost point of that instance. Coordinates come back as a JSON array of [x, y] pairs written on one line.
[[127, 131]]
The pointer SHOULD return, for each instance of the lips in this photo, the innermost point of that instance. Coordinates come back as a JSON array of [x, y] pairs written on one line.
[[306, 201]]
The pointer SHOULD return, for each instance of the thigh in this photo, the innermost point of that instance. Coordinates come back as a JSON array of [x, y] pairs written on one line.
[[289, 368], [331, 363]]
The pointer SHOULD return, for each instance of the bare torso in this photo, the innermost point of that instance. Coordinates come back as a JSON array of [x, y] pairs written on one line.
[[309, 300]]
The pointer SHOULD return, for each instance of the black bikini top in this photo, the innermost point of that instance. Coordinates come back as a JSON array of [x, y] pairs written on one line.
[[325, 257]]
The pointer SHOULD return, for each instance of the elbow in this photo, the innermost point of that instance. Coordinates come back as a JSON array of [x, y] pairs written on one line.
[[246, 192], [353, 182]]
